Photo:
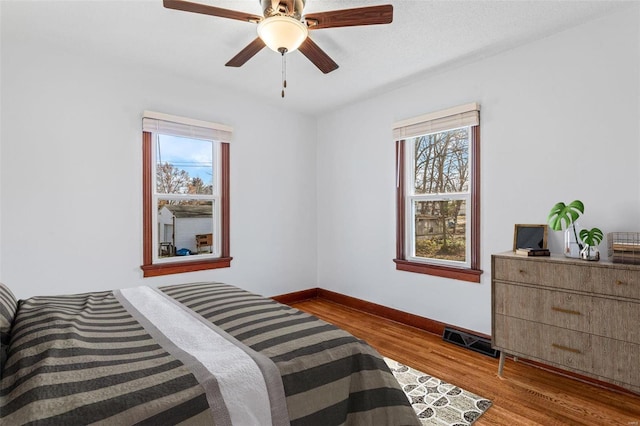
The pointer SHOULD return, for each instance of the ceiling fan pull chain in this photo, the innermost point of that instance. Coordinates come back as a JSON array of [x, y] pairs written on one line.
[[282, 51]]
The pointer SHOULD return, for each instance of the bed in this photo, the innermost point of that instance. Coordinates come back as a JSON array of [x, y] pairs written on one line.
[[191, 354]]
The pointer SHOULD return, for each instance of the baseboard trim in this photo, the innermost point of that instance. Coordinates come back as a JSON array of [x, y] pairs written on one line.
[[386, 312], [297, 296], [422, 323]]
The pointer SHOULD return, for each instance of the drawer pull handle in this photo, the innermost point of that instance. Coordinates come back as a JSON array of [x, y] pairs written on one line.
[[566, 311], [566, 348], [618, 282]]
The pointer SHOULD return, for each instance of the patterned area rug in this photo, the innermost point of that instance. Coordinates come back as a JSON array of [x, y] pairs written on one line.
[[437, 402]]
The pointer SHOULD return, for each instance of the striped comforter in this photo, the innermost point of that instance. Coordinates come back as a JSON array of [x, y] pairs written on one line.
[[86, 358]]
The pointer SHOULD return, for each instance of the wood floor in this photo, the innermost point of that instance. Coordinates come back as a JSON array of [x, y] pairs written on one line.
[[525, 395]]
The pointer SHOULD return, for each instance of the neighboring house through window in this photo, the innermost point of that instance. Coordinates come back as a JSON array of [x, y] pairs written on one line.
[[185, 195], [438, 193]]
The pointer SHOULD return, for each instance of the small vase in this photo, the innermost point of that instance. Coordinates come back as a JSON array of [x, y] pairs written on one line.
[[590, 253], [573, 246]]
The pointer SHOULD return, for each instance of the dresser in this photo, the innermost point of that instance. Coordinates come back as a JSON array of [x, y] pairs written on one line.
[[572, 314]]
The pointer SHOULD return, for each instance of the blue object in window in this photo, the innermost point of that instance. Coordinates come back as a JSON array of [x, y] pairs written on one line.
[[183, 252]]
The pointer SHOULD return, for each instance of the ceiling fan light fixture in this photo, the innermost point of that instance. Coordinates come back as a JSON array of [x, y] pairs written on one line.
[[282, 32]]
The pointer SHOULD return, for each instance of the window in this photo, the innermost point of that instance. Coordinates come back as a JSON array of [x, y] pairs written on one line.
[[185, 195], [438, 193]]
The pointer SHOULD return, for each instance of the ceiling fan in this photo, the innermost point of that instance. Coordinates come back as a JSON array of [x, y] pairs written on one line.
[[284, 29]]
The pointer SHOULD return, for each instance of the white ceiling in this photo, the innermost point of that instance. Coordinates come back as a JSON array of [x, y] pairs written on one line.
[[425, 37]]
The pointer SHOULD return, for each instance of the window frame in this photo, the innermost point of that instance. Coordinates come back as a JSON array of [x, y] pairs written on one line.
[[407, 263], [158, 268]]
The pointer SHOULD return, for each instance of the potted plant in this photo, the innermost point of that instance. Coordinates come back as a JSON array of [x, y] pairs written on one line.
[[567, 214], [584, 244], [591, 238]]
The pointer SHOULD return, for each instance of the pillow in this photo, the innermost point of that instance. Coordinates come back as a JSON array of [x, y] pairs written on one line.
[[8, 307]]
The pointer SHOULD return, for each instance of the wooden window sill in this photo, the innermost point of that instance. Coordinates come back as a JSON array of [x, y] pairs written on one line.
[[470, 275], [187, 266]]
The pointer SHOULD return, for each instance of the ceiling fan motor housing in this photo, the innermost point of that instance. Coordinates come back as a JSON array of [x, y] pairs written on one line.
[[291, 8]]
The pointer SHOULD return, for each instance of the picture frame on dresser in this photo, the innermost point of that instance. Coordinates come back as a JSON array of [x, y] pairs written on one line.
[[530, 236]]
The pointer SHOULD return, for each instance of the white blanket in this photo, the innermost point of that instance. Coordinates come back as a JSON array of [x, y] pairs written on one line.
[[234, 384]]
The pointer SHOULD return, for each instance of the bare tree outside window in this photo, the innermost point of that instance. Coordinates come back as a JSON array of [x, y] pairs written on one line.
[[197, 186], [171, 180]]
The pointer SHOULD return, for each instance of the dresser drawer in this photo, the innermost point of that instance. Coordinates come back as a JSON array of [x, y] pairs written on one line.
[[605, 279], [548, 274], [617, 360], [562, 347], [590, 314], [556, 308], [616, 319], [615, 281]]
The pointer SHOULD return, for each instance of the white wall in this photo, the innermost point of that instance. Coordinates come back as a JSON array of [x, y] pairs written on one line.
[[559, 122], [71, 176]]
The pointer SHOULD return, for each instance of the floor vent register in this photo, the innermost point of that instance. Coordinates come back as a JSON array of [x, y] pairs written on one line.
[[470, 341]]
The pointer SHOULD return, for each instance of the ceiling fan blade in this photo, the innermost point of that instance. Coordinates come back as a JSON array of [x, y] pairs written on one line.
[[247, 53], [371, 15], [316, 55], [204, 9]]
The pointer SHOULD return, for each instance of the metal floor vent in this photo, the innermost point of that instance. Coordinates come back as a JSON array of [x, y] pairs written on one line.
[[469, 341]]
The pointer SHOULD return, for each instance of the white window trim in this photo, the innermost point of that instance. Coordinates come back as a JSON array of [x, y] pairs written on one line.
[[184, 126], [451, 118], [215, 197]]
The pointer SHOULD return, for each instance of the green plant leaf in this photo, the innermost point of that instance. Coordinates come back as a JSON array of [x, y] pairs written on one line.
[[592, 236], [564, 213]]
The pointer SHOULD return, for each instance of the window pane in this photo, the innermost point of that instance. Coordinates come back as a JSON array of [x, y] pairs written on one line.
[[185, 228], [440, 230], [441, 162], [183, 165]]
